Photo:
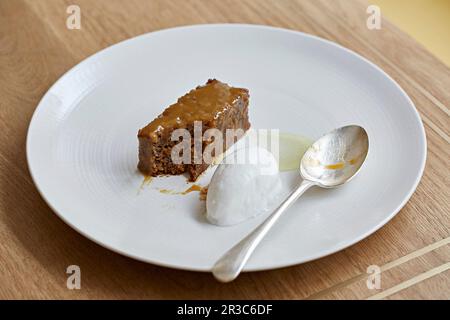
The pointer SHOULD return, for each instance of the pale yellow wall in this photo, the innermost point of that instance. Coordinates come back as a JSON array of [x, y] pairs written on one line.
[[428, 21]]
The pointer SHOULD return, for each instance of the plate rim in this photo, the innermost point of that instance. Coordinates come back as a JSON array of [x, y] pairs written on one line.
[[320, 254]]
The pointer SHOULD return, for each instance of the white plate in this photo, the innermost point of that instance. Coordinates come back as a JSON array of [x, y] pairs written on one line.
[[82, 145]]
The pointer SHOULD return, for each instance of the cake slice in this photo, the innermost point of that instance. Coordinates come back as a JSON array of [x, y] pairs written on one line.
[[214, 105]]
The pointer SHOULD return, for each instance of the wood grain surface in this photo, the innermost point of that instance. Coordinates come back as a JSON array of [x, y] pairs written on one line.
[[36, 247]]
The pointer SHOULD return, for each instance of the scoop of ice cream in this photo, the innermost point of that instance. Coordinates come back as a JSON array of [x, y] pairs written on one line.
[[239, 191]]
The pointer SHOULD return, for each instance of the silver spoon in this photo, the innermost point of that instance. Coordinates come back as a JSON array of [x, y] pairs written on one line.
[[329, 162]]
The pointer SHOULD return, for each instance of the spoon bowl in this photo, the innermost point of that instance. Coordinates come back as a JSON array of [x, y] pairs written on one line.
[[336, 157]]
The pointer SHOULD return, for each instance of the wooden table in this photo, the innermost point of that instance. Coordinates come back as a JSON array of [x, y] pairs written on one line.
[[36, 247]]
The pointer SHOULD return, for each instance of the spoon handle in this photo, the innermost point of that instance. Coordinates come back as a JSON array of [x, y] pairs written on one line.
[[228, 267]]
